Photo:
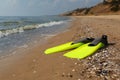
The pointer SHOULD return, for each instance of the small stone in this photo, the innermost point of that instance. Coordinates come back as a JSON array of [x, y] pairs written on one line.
[[79, 79], [105, 72], [34, 72], [105, 64], [63, 74], [76, 63], [73, 70], [114, 75], [34, 60], [70, 75], [105, 51], [89, 58], [113, 51]]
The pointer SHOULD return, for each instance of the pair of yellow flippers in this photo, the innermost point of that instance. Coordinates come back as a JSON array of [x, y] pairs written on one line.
[[82, 48]]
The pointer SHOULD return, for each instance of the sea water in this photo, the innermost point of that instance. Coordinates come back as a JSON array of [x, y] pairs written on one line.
[[20, 31]]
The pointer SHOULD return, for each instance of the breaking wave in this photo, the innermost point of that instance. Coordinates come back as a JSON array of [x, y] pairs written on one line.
[[5, 32]]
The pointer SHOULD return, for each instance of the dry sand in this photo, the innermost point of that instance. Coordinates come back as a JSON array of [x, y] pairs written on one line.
[[103, 65]]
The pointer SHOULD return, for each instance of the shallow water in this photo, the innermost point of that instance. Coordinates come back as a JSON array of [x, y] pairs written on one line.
[[14, 36]]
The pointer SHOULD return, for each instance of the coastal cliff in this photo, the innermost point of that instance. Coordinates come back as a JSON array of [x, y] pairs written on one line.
[[104, 8]]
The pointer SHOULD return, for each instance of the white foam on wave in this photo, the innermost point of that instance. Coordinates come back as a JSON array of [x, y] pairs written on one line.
[[28, 27], [50, 24]]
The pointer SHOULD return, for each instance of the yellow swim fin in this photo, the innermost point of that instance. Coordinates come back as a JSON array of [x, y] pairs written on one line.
[[87, 49], [67, 46]]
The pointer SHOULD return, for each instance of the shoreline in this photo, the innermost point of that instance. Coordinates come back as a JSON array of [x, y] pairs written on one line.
[[35, 65], [37, 39]]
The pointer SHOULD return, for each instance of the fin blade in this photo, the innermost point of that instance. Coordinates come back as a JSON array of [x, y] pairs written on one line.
[[62, 47], [83, 51]]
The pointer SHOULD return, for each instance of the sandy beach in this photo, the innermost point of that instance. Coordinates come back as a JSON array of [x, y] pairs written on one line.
[[103, 65]]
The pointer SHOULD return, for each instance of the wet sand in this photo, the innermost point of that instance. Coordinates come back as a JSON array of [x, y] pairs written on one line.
[[103, 65]]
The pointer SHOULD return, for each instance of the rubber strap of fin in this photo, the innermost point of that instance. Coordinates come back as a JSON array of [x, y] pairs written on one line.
[[84, 40], [95, 42], [103, 39]]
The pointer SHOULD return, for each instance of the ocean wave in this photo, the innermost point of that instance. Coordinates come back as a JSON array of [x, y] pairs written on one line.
[[7, 23], [4, 33]]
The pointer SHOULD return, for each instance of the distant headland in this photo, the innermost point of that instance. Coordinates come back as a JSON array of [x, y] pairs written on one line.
[[104, 8]]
